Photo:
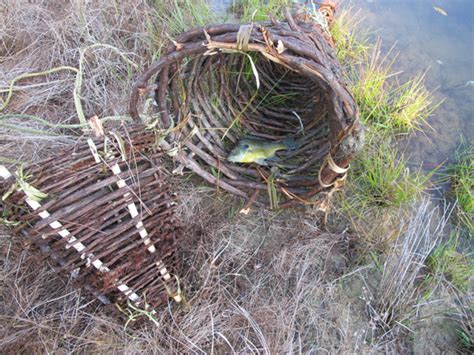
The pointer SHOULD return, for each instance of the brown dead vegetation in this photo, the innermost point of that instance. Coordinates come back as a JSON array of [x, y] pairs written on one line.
[[265, 282]]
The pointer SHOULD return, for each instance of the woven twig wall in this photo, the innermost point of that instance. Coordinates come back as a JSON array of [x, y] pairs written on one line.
[[104, 212]]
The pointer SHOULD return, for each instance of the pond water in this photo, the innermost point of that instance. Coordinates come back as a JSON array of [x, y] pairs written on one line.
[[444, 45], [427, 40]]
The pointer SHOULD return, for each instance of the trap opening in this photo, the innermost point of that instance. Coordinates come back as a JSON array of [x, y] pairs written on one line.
[[268, 100]]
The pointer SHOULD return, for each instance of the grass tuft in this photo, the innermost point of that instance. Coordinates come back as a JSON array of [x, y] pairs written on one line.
[[383, 178], [380, 189], [176, 16], [351, 38], [462, 184], [411, 105], [455, 266], [465, 329], [258, 10], [383, 101], [371, 89]]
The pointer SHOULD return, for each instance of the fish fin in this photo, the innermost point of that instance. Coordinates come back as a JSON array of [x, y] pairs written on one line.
[[261, 162], [290, 143]]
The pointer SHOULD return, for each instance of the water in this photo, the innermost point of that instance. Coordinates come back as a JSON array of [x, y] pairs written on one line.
[[427, 40]]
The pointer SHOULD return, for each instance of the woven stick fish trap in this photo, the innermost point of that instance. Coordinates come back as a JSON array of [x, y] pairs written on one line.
[[104, 212], [218, 84]]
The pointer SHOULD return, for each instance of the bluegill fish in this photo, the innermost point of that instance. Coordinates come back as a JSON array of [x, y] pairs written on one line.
[[255, 150]]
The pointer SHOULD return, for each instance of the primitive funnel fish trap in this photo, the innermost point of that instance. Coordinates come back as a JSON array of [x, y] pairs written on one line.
[[218, 84], [104, 212]]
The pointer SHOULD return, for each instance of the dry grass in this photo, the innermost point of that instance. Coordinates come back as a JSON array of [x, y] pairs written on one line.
[[41, 36], [257, 284], [401, 290], [263, 283], [403, 303], [266, 282]]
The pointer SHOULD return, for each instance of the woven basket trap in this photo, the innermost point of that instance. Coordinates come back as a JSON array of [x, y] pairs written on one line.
[[270, 80]]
